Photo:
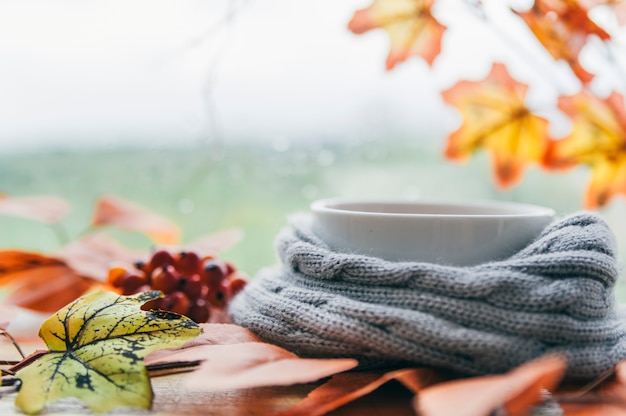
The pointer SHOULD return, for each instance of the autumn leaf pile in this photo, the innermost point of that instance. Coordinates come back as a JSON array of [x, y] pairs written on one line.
[[496, 115]]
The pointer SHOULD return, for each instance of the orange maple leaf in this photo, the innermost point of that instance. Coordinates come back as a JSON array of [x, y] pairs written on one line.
[[412, 29], [38, 282], [562, 27], [497, 118], [598, 139]]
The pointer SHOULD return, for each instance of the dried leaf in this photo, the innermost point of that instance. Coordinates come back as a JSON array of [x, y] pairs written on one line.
[[604, 396], [97, 345], [598, 139], [495, 117], [517, 391], [215, 243], [115, 211], [344, 388], [46, 209], [412, 29], [38, 282], [562, 27], [256, 364], [93, 255]]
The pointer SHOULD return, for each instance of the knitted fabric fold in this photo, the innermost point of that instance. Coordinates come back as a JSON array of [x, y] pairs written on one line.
[[555, 295]]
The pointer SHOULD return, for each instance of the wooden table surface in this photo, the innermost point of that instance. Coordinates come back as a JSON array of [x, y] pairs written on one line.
[[171, 399]]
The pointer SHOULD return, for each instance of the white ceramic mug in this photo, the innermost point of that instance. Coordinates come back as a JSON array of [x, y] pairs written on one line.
[[455, 233]]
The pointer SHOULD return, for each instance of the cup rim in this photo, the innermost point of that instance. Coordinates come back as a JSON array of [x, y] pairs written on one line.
[[430, 208]]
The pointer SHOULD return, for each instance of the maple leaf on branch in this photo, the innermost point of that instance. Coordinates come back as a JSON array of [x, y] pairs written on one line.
[[562, 27], [496, 118], [597, 139], [412, 29], [97, 345]]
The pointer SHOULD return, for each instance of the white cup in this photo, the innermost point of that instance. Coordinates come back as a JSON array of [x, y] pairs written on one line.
[[454, 233]]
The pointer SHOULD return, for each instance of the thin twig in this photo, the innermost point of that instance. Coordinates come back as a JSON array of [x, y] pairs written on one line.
[[14, 342]]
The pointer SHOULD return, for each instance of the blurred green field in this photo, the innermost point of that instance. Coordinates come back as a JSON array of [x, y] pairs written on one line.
[[254, 187]]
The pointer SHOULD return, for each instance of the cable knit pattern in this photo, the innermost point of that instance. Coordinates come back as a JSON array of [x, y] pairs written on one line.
[[555, 295]]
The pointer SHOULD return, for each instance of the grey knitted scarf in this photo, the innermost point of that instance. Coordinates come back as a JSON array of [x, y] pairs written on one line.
[[555, 295]]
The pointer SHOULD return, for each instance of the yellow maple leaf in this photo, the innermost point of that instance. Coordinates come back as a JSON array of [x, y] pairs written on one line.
[[598, 139], [495, 117], [97, 344], [412, 29]]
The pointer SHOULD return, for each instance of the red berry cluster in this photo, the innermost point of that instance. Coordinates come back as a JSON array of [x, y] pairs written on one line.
[[192, 285]]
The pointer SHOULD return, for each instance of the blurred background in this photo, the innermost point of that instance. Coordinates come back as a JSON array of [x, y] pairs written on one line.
[[235, 114]]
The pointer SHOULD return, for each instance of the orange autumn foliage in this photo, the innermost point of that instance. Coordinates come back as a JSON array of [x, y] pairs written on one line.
[[410, 25], [598, 140], [495, 115], [562, 27], [39, 282], [496, 118]]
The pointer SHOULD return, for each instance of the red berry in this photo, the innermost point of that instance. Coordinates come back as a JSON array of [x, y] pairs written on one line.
[[237, 284], [213, 272], [159, 259], [165, 279], [115, 275], [219, 294], [230, 268], [200, 311], [193, 287], [176, 302], [130, 282], [188, 263]]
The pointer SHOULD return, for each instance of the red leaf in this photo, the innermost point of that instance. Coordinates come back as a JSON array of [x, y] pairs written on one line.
[[344, 388], [517, 391], [46, 209], [234, 357], [115, 211]]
